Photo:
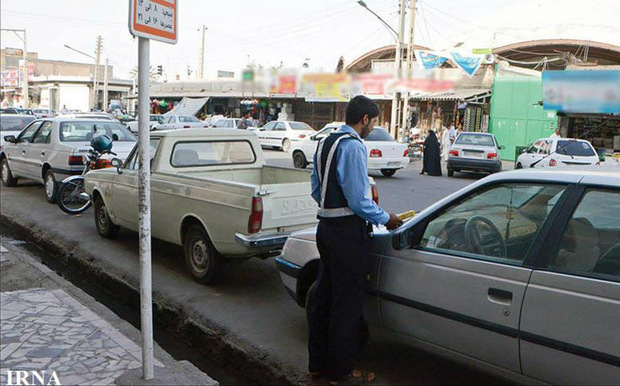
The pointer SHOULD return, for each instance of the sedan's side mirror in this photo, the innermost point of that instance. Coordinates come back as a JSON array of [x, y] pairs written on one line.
[[118, 164], [501, 147], [10, 138]]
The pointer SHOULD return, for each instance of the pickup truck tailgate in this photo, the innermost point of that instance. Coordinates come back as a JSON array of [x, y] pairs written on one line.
[[287, 206]]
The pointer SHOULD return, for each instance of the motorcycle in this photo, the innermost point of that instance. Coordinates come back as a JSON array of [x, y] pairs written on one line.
[[71, 197]]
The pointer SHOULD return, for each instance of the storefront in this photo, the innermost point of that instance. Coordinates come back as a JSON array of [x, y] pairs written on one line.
[[602, 130]]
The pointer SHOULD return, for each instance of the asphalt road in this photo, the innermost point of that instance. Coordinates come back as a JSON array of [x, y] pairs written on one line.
[[249, 305]]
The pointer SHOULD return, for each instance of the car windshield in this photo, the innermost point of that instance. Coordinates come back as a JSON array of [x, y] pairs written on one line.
[[157, 118], [300, 126], [14, 123], [475, 139], [188, 118], [575, 148], [379, 134], [76, 131]]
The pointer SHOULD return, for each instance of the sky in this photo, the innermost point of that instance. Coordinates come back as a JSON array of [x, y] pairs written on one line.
[[291, 32]]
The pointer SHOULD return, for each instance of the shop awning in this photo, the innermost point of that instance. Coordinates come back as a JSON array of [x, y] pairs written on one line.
[[467, 95], [188, 106]]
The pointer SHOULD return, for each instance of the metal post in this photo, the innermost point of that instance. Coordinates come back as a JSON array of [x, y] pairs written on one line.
[[202, 53], [144, 209], [96, 73], [25, 75], [394, 124], [409, 66], [105, 86]]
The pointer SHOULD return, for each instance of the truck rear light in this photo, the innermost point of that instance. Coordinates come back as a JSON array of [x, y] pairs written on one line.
[[454, 153], [256, 216], [375, 194], [406, 153], [76, 160], [376, 153], [552, 162], [492, 156], [302, 136]]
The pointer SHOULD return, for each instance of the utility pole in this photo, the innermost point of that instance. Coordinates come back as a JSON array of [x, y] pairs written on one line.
[[202, 53], [412, 4], [96, 72], [105, 86], [394, 124], [25, 61]]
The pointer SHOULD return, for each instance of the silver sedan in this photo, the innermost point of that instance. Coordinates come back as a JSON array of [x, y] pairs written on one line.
[[518, 274]]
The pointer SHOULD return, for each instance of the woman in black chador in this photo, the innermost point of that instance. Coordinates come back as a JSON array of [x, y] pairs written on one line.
[[431, 162]]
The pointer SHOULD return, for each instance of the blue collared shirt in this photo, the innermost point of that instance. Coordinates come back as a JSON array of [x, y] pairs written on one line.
[[352, 168]]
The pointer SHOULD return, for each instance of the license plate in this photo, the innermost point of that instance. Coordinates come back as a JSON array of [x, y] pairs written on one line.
[[393, 164], [473, 154]]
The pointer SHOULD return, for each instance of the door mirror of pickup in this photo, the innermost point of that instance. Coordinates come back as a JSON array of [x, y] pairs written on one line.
[[118, 164], [10, 138]]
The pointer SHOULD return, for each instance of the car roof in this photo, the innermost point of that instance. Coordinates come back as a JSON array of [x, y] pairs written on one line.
[[604, 175], [16, 115], [476, 133], [200, 132]]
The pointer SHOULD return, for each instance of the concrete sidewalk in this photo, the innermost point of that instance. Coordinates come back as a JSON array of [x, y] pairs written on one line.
[[52, 327]]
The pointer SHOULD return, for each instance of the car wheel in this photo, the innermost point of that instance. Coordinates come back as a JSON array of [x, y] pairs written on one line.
[[299, 160], [51, 188], [388, 172], [519, 166], [286, 145], [450, 172], [105, 226], [7, 176], [203, 261], [310, 299]]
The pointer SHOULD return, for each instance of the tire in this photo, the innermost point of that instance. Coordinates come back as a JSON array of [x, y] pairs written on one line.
[[309, 299], [450, 172], [519, 166], [68, 197], [7, 176], [51, 186], [201, 258], [388, 172], [286, 145], [105, 227], [299, 160]]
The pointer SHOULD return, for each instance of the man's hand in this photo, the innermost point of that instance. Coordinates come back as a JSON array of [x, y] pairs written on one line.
[[394, 222]]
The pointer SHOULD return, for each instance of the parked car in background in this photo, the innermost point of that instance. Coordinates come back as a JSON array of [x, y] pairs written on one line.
[[173, 122], [9, 110], [231, 205], [44, 113], [24, 111], [475, 152], [49, 150], [518, 273], [550, 152], [384, 153], [282, 134], [154, 119], [231, 123], [13, 124], [91, 115]]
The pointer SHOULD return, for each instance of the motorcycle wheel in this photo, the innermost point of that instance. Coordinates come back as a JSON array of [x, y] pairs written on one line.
[[69, 197]]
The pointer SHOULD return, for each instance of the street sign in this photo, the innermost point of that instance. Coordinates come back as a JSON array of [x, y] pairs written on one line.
[[154, 19]]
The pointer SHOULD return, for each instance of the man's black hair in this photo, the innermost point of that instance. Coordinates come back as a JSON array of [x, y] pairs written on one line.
[[358, 107]]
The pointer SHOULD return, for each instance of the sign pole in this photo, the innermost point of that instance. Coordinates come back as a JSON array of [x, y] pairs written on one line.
[[144, 207]]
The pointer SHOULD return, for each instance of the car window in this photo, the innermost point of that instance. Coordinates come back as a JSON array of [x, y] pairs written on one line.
[[269, 126], [15, 122], [324, 133], [379, 134], [43, 133], [498, 223], [280, 126], [575, 148], [188, 118], [300, 126], [203, 153], [29, 132], [132, 162], [475, 139], [590, 244], [76, 131]]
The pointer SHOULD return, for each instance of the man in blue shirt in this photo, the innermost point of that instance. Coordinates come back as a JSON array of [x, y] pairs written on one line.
[[340, 186]]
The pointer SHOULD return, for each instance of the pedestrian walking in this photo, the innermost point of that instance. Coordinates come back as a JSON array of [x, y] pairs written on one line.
[[431, 162], [556, 134], [338, 331], [445, 144], [243, 123]]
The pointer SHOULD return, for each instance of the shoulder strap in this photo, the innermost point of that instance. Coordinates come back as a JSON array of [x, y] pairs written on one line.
[[323, 180]]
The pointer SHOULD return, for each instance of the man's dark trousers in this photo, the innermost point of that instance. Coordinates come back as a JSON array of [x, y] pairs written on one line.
[[338, 331]]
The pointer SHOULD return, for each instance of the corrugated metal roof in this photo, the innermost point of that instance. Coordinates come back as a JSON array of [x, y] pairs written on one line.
[[460, 94]]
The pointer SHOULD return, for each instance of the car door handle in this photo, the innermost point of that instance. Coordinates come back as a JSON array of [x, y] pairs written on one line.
[[499, 296], [42, 153]]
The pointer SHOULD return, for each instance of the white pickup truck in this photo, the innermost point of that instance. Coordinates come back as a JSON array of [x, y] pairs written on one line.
[[212, 193]]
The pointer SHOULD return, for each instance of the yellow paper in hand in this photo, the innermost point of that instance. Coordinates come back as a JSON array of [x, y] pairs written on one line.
[[406, 215]]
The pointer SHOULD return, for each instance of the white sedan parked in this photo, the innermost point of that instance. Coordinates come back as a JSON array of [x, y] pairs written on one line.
[[282, 134], [384, 153], [517, 274], [173, 122], [550, 152]]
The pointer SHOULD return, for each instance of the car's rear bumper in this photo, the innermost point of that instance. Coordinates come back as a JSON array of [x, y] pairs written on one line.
[[387, 163], [289, 273], [492, 166], [260, 240]]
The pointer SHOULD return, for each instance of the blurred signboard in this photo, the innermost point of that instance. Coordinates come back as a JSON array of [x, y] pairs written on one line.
[[154, 19], [325, 87], [225, 74], [582, 91]]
